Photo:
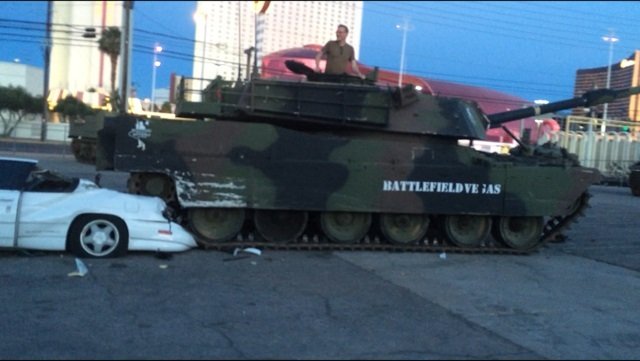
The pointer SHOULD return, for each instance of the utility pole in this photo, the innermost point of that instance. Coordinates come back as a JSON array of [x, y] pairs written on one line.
[[125, 41], [257, 43], [248, 52], [45, 90]]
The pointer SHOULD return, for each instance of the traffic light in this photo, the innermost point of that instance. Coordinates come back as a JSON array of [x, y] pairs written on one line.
[[89, 33]]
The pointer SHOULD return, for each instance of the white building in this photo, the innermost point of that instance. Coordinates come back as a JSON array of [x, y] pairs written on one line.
[[29, 77], [227, 28], [162, 96], [77, 66]]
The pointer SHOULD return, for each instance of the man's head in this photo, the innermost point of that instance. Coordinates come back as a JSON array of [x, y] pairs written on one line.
[[342, 32]]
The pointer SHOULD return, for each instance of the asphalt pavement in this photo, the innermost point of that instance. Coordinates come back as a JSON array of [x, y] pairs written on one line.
[[577, 299]]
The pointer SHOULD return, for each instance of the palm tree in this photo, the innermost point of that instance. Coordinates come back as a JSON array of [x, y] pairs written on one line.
[[109, 44]]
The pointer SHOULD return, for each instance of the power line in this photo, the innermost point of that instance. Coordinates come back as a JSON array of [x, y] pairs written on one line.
[[453, 15]]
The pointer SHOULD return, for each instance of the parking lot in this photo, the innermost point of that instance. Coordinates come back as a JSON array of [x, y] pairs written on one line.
[[572, 300]]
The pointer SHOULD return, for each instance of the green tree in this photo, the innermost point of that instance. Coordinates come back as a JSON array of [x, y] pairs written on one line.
[[15, 104], [71, 107], [109, 43], [166, 107]]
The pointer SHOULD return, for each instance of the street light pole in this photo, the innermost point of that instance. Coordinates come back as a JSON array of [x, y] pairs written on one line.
[[404, 27], [125, 50], [610, 39], [204, 48], [156, 49]]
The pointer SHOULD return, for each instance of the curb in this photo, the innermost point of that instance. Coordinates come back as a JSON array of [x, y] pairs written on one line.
[[34, 146]]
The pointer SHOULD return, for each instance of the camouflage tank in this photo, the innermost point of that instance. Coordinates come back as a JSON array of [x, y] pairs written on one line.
[[339, 163]]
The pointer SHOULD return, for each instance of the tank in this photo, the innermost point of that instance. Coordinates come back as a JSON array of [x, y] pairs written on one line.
[[336, 162]]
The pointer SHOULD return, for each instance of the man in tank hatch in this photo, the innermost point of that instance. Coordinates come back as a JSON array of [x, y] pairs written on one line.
[[338, 53]]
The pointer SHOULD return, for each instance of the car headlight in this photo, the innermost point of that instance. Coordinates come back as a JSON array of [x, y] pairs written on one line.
[[169, 213]]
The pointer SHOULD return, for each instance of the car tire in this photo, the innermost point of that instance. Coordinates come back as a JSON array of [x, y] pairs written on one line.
[[98, 236]]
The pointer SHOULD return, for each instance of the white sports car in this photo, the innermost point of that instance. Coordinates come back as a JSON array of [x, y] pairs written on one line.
[[43, 210]]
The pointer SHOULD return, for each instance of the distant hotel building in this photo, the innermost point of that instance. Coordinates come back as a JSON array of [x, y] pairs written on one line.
[[22, 75], [227, 29], [624, 74], [77, 65]]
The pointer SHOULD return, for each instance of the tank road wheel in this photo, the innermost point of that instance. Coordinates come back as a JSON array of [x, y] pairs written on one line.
[[345, 227], [280, 226], [404, 228], [467, 230], [156, 184], [518, 232], [216, 225], [152, 184]]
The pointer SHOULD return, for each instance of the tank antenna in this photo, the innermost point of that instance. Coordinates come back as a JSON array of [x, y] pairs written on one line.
[[520, 143]]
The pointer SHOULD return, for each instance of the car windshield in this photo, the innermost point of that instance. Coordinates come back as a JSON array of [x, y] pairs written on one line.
[[15, 172], [43, 180]]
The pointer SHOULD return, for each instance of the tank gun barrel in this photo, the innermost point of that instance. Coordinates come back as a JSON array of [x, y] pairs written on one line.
[[588, 99]]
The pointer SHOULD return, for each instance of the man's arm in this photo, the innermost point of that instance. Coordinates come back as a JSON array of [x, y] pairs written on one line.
[[354, 66], [318, 57]]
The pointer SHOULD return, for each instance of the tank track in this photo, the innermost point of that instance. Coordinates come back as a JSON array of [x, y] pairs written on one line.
[[84, 150], [552, 231], [434, 242]]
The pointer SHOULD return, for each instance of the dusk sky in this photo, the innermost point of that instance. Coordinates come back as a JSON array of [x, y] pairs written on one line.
[[527, 49]]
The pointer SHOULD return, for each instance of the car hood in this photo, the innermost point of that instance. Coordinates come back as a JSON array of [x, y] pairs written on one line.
[[104, 198]]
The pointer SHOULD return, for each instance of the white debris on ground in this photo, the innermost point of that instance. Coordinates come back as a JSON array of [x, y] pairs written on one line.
[[251, 250], [81, 269]]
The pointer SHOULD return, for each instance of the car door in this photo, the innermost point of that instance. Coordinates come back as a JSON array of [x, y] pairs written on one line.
[[9, 202]]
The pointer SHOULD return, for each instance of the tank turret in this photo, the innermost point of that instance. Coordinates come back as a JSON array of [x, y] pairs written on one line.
[[342, 101], [347, 164]]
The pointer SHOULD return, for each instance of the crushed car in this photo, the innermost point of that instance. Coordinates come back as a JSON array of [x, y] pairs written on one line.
[[43, 210]]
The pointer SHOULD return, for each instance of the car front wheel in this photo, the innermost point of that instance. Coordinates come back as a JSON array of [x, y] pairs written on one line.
[[98, 236]]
